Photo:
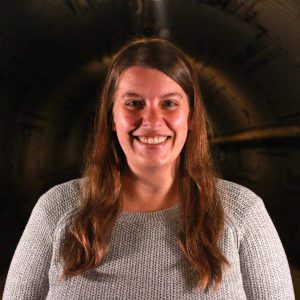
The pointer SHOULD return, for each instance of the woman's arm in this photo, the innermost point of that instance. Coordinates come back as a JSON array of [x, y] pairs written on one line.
[[264, 265], [28, 273]]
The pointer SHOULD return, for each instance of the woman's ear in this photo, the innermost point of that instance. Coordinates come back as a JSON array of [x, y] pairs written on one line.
[[190, 122], [113, 124]]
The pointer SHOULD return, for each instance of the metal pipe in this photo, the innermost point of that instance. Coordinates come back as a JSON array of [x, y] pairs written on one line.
[[259, 134]]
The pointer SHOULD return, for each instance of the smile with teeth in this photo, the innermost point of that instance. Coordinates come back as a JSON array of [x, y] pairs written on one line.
[[152, 140]]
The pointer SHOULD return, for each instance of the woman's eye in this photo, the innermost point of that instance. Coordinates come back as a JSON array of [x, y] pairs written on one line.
[[134, 104], [169, 103]]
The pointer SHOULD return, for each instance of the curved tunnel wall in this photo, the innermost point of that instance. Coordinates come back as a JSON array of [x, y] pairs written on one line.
[[53, 58]]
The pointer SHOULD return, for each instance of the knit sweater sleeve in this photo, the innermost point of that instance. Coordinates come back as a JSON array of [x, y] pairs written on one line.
[[263, 262], [28, 273]]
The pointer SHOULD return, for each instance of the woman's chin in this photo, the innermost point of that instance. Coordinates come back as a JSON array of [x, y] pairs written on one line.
[[152, 165]]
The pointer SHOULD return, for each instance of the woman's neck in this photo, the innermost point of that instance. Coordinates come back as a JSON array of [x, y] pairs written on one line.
[[149, 191]]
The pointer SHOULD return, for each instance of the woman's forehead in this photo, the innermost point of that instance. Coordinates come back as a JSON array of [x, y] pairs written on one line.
[[142, 80]]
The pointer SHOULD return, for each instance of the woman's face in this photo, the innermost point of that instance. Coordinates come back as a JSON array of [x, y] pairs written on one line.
[[150, 117]]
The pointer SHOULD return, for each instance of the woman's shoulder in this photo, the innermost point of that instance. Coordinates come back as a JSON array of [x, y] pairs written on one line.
[[237, 200], [66, 189], [59, 200]]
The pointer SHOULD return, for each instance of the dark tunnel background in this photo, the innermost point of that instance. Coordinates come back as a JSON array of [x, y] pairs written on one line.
[[53, 58]]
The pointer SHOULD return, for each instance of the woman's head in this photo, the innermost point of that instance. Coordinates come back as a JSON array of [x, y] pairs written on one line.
[[166, 60], [150, 118]]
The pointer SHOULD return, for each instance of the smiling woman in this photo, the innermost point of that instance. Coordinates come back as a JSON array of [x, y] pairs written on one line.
[[152, 122], [150, 219]]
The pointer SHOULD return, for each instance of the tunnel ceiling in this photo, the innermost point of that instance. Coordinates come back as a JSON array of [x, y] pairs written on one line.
[[248, 51], [54, 54]]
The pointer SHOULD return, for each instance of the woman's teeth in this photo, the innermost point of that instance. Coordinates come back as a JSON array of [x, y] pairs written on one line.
[[152, 140]]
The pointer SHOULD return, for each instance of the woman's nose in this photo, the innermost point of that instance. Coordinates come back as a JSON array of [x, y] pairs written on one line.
[[152, 117]]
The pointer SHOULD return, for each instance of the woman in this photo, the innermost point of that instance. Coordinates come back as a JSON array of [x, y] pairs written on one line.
[[150, 220]]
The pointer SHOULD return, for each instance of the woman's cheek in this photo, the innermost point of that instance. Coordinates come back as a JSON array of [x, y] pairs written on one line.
[[126, 120], [179, 120]]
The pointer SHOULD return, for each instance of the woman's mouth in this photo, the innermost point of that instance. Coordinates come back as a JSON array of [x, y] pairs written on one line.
[[151, 140]]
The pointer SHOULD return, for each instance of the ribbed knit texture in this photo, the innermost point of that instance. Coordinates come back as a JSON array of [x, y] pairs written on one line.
[[144, 260]]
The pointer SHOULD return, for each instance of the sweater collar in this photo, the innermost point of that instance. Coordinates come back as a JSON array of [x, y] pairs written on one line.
[[148, 217]]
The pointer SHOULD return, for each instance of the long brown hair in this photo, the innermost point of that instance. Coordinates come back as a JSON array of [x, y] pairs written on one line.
[[88, 236]]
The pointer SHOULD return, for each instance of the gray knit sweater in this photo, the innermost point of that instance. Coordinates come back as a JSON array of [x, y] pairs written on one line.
[[144, 261]]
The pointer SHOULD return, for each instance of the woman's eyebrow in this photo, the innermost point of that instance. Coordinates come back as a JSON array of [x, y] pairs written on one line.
[[174, 94], [131, 94]]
